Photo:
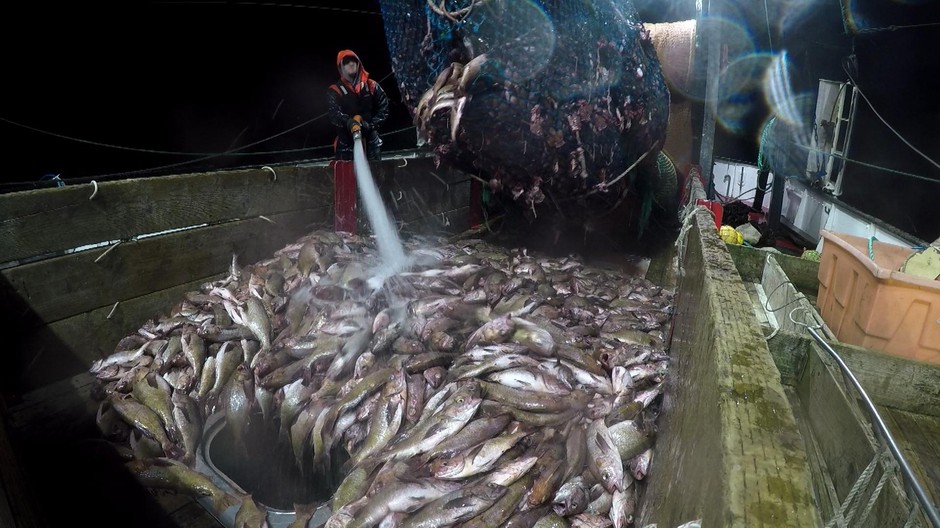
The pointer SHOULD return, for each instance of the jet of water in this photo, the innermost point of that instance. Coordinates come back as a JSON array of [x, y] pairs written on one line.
[[386, 235]]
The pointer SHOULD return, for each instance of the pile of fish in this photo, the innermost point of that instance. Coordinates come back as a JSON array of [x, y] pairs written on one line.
[[483, 386]]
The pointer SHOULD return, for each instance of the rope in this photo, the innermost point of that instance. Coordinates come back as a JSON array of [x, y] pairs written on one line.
[[912, 518], [686, 224], [871, 247], [850, 503], [456, 15], [885, 473]]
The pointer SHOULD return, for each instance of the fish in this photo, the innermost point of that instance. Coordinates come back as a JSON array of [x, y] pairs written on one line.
[[402, 496], [479, 372], [189, 422], [629, 439], [250, 514], [303, 513], [477, 459], [504, 507], [572, 497], [456, 507], [352, 488], [475, 432], [194, 349], [603, 458], [146, 421], [236, 401], [293, 397], [537, 380], [439, 426], [165, 473], [156, 398], [622, 506], [256, 318]]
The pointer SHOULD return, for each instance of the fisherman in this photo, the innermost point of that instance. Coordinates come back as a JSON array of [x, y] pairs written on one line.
[[357, 105]]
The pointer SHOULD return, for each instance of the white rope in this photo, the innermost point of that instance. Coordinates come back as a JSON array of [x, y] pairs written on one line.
[[101, 256], [687, 217], [912, 518], [887, 469], [851, 503]]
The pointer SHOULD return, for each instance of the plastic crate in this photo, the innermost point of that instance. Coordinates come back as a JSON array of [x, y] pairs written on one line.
[[869, 303]]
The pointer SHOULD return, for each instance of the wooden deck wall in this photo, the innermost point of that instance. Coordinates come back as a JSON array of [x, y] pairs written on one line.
[[729, 450]]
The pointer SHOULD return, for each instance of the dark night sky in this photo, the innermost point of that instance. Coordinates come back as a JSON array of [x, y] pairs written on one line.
[[206, 77], [181, 77]]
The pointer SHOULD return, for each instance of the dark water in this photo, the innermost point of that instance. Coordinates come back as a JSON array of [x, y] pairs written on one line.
[[269, 472]]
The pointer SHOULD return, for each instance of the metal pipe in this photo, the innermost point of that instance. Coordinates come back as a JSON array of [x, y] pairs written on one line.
[[905, 468], [712, 37]]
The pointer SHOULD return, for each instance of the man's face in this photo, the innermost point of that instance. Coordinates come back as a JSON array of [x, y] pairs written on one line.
[[350, 70]]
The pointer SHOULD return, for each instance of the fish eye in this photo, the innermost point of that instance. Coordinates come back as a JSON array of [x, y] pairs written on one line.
[[606, 475]]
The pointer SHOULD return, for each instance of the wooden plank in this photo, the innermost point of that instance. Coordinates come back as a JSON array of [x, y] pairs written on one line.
[[728, 412], [45, 221], [750, 263], [918, 437], [68, 347], [61, 287], [893, 381], [789, 352], [63, 409], [826, 496], [425, 192]]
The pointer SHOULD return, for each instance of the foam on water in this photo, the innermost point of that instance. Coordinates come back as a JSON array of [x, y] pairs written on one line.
[[386, 235]]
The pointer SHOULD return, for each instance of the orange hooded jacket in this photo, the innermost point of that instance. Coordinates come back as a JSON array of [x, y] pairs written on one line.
[[363, 96]]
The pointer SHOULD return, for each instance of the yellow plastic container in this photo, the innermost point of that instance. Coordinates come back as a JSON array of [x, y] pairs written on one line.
[[869, 303]]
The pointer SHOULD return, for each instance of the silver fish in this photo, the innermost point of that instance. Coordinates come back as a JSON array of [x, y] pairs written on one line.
[[603, 459], [572, 497], [457, 506]]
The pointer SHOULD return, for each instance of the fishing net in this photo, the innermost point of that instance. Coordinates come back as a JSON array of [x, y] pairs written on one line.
[[551, 102]]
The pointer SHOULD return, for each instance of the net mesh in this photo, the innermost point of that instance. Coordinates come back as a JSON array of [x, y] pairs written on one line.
[[548, 101]]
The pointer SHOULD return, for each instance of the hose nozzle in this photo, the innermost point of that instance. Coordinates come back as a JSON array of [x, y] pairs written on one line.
[[356, 127]]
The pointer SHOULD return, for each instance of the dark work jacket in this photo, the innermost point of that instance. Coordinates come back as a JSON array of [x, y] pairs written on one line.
[[365, 98]]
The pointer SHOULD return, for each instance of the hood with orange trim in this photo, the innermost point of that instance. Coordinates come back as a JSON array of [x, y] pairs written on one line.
[[363, 74]]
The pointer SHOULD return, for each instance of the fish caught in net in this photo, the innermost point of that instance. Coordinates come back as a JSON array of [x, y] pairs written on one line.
[[560, 106]]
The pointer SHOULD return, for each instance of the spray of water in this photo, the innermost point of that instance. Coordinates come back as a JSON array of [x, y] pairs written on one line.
[[386, 235]]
